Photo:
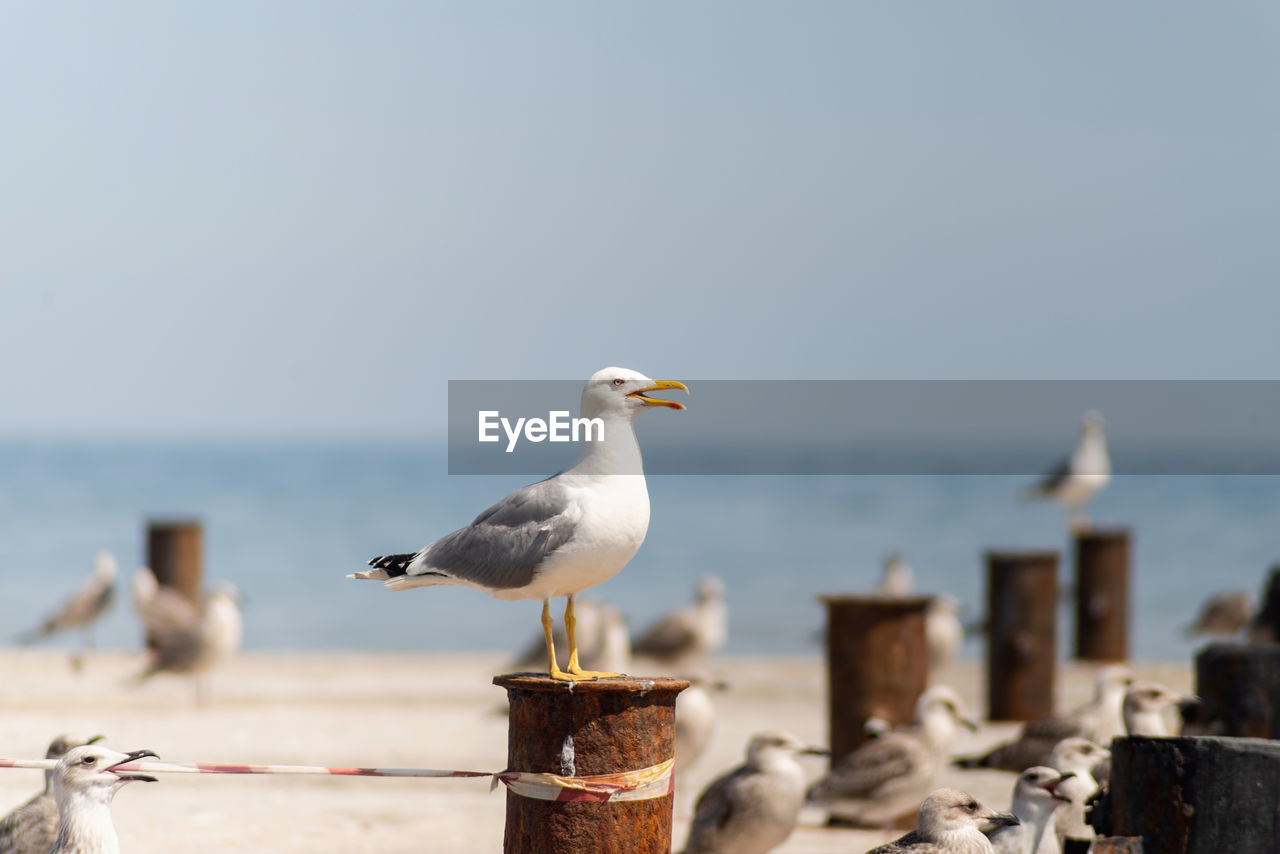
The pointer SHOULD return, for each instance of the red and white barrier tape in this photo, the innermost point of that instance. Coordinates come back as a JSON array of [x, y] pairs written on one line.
[[653, 782]]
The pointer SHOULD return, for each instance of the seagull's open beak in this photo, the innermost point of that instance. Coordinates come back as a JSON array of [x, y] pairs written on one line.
[[133, 757], [968, 723], [1052, 786], [660, 384], [815, 751]]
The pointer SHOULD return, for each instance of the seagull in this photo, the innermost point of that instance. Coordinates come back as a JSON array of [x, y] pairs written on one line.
[[1146, 708], [184, 639], [1037, 799], [82, 608], [695, 721], [1224, 614], [943, 631], [84, 782], [561, 535], [691, 633], [950, 822], [753, 808], [31, 828], [897, 578], [1098, 720], [1081, 476], [890, 775], [1083, 759]]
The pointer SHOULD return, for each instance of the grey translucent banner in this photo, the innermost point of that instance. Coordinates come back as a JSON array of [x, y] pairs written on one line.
[[910, 427]]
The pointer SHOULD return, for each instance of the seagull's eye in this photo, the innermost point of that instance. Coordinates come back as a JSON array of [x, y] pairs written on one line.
[[973, 806], [618, 381], [88, 760]]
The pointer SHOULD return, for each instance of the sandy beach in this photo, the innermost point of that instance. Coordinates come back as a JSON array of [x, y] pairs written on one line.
[[424, 710]]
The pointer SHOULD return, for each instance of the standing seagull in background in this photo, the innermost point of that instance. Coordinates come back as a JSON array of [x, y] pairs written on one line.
[[82, 609], [561, 535], [84, 782], [1077, 479], [691, 633]]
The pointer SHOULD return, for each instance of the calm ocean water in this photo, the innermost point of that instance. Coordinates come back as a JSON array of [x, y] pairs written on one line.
[[286, 523]]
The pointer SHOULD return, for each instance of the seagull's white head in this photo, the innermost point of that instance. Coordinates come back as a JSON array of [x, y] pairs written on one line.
[[104, 566], [943, 707], [1078, 754], [93, 771], [771, 746], [619, 392], [951, 814], [1112, 681], [1039, 785]]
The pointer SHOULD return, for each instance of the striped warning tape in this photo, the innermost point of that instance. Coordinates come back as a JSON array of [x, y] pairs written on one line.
[[653, 782]]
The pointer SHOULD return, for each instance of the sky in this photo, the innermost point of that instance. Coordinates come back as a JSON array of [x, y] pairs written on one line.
[[302, 219]]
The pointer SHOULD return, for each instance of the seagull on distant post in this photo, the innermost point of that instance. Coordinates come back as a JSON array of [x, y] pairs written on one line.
[[1079, 477], [561, 535]]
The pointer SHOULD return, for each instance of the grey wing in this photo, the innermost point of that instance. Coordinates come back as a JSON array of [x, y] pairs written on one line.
[[875, 763], [713, 811], [911, 843], [1052, 481], [503, 548], [30, 828], [669, 637], [1055, 727]]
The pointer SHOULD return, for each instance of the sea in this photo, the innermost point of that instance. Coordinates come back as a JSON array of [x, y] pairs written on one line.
[[286, 522]]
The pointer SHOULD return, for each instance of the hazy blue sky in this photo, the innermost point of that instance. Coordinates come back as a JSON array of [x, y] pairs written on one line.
[[304, 218]]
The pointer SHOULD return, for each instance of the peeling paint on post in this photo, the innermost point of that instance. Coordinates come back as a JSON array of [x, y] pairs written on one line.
[[606, 726]]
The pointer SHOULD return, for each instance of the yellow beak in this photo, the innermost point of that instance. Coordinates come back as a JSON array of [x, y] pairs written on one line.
[[660, 384]]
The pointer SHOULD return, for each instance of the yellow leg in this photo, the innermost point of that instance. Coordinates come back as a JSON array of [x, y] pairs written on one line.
[[570, 625], [553, 669]]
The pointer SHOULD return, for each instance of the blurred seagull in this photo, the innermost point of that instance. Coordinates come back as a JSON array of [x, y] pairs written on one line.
[[1077, 479], [950, 822], [695, 721], [84, 782], [32, 827], [753, 808], [686, 636], [1148, 707], [1098, 720], [184, 639], [897, 579], [891, 774], [1037, 799], [1224, 614], [1082, 759], [561, 535], [82, 609], [943, 631]]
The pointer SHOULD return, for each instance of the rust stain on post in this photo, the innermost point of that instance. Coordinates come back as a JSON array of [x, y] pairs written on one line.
[[877, 664], [616, 725], [1022, 639], [1102, 594]]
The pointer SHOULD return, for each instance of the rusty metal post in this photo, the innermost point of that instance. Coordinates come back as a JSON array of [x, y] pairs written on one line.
[[1022, 639], [174, 555], [580, 730], [1102, 594], [1266, 625], [1239, 689], [877, 664], [1196, 795]]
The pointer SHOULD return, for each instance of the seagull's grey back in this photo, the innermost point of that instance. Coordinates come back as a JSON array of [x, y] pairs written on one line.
[[503, 548]]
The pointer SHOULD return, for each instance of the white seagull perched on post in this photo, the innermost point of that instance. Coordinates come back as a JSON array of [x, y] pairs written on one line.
[[1081, 476], [561, 535]]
